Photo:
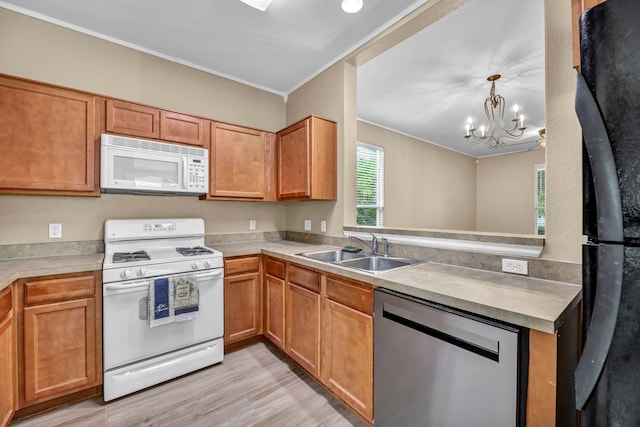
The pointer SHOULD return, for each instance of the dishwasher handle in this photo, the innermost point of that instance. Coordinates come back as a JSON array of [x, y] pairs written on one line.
[[443, 336]]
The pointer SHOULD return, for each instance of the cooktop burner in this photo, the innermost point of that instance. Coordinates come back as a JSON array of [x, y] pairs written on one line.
[[197, 250], [130, 256]]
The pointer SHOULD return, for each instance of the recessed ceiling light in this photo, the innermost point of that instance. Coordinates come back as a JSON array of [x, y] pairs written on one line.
[[351, 6], [258, 4]]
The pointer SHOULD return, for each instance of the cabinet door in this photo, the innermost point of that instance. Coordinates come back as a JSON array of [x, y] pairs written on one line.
[[307, 154], [238, 162], [7, 359], [347, 356], [242, 307], [48, 137], [59, 348], [176, 127], [132, 119], [294, 157], [274, 299], [303, 327]]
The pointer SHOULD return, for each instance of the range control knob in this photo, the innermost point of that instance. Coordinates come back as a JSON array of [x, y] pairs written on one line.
[[126, 273], [197, 265], [207, 263], [142, 271]]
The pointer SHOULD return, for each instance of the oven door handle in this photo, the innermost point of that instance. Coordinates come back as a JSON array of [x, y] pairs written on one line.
[[209, 274], [127, 286]]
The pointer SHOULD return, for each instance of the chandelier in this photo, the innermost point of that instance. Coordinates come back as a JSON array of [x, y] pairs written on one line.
[[486, 134]]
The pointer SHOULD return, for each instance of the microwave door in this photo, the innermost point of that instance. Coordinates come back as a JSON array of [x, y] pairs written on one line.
[[144, 171]]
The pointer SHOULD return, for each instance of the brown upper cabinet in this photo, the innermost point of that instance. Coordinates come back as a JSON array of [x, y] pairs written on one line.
[[307, 160], [132, 119], [49, 138], [241, 163], [577, 8], [184, 129], [136, 120]]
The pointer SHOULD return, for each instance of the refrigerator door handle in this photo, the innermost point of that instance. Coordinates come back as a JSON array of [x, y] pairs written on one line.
[[603, 321], [603, 166]]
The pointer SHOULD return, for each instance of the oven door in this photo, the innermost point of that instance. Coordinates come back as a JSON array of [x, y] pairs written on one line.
[[126, 332]]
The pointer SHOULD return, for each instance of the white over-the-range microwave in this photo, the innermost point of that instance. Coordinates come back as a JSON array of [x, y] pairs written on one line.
[[130, 165]]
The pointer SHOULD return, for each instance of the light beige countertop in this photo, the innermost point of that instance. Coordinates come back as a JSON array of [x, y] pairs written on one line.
[[520, 300], [12, 269]]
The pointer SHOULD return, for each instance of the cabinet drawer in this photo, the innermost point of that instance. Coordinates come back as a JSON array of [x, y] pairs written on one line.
[[234, 266], [358, 297], [5, 303], [275, 268], [306, 278], [59, 289]]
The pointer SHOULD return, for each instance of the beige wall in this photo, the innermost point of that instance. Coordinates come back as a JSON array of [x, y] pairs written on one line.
[[506, 192], [563, 139], [37, 50], [426, 186]]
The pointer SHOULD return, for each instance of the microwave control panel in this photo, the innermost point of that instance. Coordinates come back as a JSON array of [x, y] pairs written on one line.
[[198, 171]]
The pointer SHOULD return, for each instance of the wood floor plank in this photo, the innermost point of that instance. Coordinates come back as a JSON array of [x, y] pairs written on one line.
[[254, 386]]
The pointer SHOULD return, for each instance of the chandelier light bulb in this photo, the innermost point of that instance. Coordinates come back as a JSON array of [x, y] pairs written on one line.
[[515, 110], [352, 6]]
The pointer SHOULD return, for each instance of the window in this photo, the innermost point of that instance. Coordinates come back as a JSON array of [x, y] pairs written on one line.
[[539, 201], [369, 185]]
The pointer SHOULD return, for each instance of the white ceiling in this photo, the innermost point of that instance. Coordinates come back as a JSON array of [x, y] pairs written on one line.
[[429, 84], [425, 87]]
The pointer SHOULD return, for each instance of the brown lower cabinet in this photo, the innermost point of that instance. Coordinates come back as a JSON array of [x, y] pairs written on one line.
[[242, 299], [347, 343], [59, 340], [325, 324], [274, 301], [8, 358]]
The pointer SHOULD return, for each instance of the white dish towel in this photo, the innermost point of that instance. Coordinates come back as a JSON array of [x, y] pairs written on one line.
[[186, 297]]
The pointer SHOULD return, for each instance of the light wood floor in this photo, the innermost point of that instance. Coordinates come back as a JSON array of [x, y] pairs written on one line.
[[254, 386]]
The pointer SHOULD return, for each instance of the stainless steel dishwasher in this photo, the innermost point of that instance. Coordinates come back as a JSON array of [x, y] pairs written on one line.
[[438, 367]]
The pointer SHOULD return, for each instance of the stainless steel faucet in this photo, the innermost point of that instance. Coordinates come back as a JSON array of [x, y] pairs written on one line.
[[373, 246]]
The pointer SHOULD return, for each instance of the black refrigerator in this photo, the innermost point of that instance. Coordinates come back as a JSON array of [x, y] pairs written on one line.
[[607, 377]]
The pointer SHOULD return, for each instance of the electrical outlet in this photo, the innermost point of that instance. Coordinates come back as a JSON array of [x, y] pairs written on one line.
[[307, 225], [55, 231], [515, 266], [252, 224], [323, 226]]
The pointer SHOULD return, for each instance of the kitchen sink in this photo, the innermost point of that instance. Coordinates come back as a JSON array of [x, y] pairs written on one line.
[[376, 264], [361, 260], [333, 255]]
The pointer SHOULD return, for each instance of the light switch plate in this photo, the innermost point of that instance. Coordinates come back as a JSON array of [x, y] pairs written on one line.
[[252, 224], [55, 231], [307, 225], [323, 226]]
